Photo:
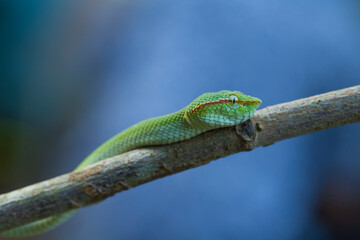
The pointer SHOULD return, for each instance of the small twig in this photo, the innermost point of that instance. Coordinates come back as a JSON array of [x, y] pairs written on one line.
[[104, 179]]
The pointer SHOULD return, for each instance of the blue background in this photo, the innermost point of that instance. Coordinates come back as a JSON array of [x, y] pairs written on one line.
[[75, 73]]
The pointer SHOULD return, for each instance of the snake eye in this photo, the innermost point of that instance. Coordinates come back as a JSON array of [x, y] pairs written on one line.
[[233, 99]]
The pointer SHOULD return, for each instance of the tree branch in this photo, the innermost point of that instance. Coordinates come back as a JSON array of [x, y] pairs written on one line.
[[97, 182]]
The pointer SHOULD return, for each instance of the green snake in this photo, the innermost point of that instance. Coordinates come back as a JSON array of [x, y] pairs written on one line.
[[208, 111]]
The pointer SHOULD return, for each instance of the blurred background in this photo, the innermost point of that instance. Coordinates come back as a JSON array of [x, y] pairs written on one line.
[[75, 73]]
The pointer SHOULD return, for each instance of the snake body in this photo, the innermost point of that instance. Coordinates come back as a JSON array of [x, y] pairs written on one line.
[[208, 111]]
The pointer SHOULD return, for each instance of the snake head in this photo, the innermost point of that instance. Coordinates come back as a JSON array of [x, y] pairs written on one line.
[[220, 109]]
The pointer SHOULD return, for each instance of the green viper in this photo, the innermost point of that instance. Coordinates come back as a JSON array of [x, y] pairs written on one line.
[[208, 111]]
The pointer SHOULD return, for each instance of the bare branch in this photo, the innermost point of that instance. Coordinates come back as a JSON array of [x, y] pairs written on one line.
[[104, 179]]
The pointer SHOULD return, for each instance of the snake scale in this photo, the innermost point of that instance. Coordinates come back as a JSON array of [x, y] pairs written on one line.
[[208, 111]]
